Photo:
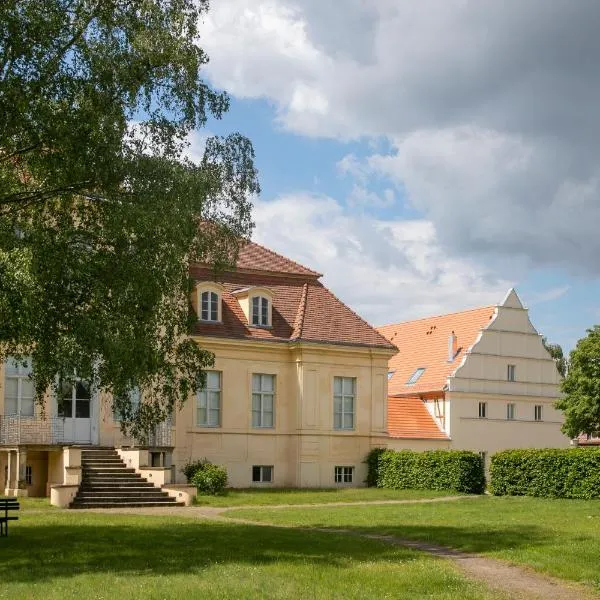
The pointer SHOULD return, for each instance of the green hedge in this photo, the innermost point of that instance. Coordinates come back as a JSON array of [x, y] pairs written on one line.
[[568, 473], [457, 470]]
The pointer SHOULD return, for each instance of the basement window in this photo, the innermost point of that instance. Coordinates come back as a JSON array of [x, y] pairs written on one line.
[[416, 376], [262, 474]]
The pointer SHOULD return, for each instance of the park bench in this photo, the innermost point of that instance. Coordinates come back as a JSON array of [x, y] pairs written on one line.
[[6, 505]]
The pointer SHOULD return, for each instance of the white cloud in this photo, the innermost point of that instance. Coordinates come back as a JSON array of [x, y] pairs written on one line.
[[386, 271]]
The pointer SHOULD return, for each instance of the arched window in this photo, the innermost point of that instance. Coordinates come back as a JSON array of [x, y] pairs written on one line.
[[260, 311], [209, 306]]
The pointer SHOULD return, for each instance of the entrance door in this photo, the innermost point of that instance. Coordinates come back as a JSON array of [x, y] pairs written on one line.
[[74, 406]]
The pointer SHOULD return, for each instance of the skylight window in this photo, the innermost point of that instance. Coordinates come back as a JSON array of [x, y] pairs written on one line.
[[416, 376], [390, 374]]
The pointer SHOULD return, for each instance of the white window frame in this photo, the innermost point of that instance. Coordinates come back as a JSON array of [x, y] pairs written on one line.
[[212, 314], [260, 396], [262, 470], [340, 403], [135, 397], [511, 411], [203, 401], [511, 373], [21, 374], [483, 413], [262, 316], [538, 412], [343, 474]]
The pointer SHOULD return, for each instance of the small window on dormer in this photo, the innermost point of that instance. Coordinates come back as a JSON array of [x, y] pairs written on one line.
[[209, 306], [416, 376], [260, 311]]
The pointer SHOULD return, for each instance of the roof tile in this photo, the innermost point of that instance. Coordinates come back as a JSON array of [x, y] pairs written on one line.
[[409, 418]]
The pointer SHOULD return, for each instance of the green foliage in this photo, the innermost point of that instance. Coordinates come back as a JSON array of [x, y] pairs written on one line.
[[99, 206], [556, 352], [191, 467], [581, 387], [550, 473], [210, 479], [458, 470], [372, 462]]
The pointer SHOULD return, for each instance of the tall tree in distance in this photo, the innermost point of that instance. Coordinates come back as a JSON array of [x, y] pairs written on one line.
[[581, 387], [556, 352], [99, 207]]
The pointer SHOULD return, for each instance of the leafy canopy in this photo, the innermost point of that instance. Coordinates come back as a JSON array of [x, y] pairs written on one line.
[[581, 387], [99, 207]]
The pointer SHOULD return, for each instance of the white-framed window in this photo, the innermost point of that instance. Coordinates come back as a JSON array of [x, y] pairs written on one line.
[[511, 411], [260, 311], [18, 388], [511, 372], [208, 401], [537, 412], [28, 475], [262, 474], [415, 376], [135, 399], [344, 395], [483, 410], [344, 474], [75, 399], [209, 306], [263, 400]]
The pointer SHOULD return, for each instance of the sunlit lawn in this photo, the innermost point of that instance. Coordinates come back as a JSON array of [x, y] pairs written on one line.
[[559, 537], [240, 497], [54, 554]]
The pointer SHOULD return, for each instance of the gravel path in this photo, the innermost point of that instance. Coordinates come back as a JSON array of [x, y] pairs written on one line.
[[519, 583]]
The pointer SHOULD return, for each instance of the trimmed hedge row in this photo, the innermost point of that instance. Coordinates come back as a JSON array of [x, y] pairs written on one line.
[[457, 470], [564, 473]]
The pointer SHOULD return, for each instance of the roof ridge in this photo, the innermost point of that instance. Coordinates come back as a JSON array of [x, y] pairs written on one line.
[[285, 258], [383, 338], [299, 322], [456, 312]]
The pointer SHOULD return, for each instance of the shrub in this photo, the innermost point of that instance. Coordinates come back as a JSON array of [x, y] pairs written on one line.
[[457, 470], [552, 473], [211, 479], [372, 462], [191, 467]]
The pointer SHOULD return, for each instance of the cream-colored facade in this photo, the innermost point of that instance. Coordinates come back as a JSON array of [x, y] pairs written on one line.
[[502, 393]]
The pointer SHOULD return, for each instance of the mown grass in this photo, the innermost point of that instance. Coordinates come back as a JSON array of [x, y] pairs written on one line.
[[265, 497], [558, 537], [58, 554]]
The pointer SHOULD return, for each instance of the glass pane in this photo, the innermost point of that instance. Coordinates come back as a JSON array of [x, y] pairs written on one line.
[[256, 419], [82, 409], [268, 383], [267, 419], [348, 421], [256, 474], [10, 405], [337, 421], [214, 417], [337, 386], [27, 407], [348, 405], [213, 380], [66, 389], [65, 408], [348, 386], [82, 390], [264, 312], [202, 399], [267, 402], [214, 307], [337, 404], [11, 387], [201, 416], [214, 400], [255, 311], [267, 473], [27, 387], [256, 401], [256, 383], [10, 366]]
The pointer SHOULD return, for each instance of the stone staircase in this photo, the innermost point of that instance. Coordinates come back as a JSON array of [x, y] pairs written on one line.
[[108, 483]]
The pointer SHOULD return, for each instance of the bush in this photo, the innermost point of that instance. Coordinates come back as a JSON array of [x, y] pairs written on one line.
[[191, 467], [457, 470], [552, 473], [211, 479], [372, 462]]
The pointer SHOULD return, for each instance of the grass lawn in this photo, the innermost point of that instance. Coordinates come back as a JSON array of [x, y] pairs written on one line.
[[272, 496], [54, 554], [558, 537]]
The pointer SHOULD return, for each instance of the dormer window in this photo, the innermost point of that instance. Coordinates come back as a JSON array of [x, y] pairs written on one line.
[[209, 306], [207, 302], [260, 311]]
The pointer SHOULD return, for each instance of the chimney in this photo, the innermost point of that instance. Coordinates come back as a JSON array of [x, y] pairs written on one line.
[[452, 346]]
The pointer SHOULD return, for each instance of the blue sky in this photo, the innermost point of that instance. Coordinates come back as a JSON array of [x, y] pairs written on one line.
[[422, 169]]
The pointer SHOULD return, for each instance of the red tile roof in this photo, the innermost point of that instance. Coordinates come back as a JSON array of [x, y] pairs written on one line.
[[424, 344], [303, 308], [409, 418]]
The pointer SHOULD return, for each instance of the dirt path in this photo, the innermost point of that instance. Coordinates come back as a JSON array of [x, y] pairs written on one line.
[[518, 583]]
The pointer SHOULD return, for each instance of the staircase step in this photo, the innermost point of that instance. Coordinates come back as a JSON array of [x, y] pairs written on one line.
[[128, 505], [156, 492], [156, 497]]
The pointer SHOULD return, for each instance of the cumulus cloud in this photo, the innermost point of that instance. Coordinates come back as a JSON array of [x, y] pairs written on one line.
[[402, 270], [490, 108]]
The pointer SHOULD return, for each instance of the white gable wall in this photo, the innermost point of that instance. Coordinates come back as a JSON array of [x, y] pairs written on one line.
[[509, 339]]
